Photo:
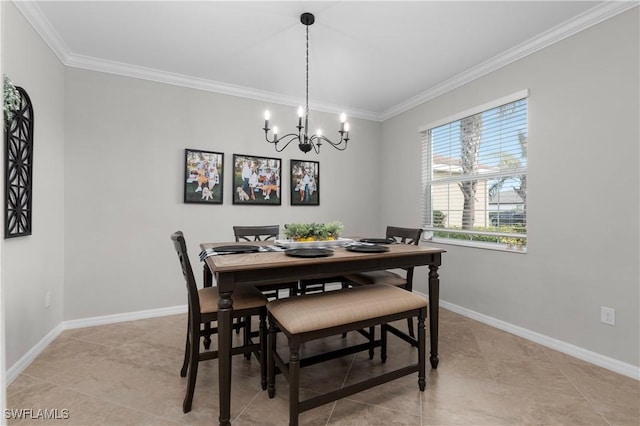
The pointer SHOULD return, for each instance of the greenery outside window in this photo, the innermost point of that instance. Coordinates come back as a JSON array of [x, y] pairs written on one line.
[[474, 176]]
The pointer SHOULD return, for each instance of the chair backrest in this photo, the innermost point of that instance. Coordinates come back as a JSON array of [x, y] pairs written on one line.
[[256, 233], [404, 235], [181, 248]]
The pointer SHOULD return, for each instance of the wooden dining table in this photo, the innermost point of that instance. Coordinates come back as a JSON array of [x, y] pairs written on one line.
[[268, 267]]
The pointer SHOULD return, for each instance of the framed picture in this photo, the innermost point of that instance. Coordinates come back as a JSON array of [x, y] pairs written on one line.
[[256, 180], [305, 183], [204, 175]]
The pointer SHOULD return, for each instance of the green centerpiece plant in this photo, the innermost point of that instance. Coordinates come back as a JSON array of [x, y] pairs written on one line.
[[305, 232]]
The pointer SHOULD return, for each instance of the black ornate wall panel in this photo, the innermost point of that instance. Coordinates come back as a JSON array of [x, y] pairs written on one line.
[[19, 170]]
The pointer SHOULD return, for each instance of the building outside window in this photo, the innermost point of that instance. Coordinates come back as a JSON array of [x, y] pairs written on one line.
[[474, 176]]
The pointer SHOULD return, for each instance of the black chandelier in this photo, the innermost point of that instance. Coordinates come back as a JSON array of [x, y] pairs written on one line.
[[305, 141]]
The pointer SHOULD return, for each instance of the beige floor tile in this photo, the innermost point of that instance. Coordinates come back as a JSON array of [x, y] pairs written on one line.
[[128, 374], [461, 399], [61, 355], [348, 412], [614, 396], [275, 412], [402, 394], [542, 406], [110, 334], [74, 408]]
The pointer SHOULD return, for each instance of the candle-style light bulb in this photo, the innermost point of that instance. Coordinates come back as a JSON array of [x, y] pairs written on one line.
[[275, 132], [346, 127], [343, 118], [319, 132], [266, 119], [300, 114]]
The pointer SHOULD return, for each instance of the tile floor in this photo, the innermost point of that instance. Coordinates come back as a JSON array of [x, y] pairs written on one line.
[[128, 374]]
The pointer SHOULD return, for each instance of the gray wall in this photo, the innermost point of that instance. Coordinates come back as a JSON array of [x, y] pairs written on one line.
[[33, 265], [124, 185], [583, 188]]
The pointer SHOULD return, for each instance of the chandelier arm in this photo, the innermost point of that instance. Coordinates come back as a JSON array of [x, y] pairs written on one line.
[[291, 136], [337, 145], [314, 145], [266, 137]]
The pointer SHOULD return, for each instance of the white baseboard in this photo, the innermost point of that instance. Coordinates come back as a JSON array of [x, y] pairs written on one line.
[[17, 368], [614, 365], [129, 316]]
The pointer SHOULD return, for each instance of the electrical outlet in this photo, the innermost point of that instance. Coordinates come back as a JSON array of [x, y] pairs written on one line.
[[47, 299], [607, 315]]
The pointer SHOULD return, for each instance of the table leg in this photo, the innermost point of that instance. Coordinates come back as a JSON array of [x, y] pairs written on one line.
[[207, 282], [224, 357], [434, 306]]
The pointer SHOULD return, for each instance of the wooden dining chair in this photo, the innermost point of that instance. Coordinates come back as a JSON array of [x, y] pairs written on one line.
[[399, 236], [265, 233], [203, 308]]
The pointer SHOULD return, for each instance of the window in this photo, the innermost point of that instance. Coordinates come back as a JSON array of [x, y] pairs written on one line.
[[474, 176]]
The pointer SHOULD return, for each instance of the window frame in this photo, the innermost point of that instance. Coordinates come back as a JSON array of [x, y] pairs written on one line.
[[427, 173]]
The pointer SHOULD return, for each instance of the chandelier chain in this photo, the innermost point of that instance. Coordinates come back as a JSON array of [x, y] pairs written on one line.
[[307, 81]]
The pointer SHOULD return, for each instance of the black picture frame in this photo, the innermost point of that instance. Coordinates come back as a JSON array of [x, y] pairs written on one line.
[[257, 180], [305, 193], [203, 176]]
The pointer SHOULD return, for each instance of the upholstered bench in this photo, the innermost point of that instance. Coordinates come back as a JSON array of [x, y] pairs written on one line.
[[305, 318]]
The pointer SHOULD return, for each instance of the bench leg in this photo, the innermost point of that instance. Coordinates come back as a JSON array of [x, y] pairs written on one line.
[[271, 362], [294, 383], [247, 335], [383, 343], [372, 338], [422, 382]]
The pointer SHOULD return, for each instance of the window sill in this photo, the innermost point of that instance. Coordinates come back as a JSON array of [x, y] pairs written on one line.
[[477, 245]]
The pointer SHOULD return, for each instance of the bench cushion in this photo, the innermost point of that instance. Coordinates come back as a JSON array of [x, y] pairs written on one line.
[[313, 312]]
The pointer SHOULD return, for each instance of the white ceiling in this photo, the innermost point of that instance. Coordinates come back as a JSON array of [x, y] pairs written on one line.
[[372, 59]]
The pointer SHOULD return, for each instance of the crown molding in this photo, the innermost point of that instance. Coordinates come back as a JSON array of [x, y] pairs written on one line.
[[589, 18], [135, 71], [568, 28]]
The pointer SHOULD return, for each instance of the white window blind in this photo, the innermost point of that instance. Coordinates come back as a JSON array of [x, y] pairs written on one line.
[[474, 176]]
